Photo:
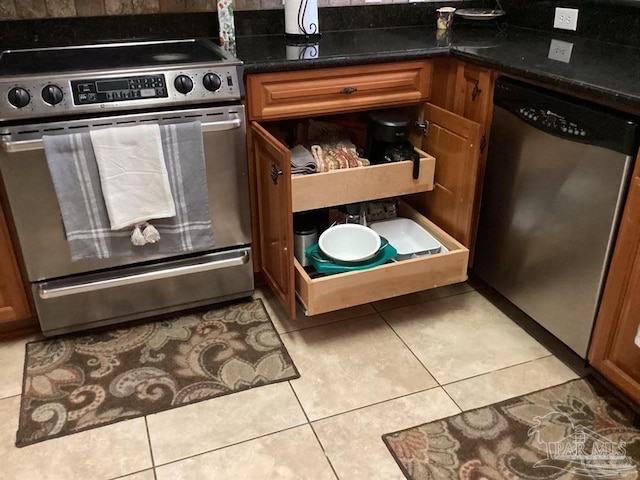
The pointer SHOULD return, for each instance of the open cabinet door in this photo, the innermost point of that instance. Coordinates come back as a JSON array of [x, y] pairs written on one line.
[[455, 143], [273, 172]]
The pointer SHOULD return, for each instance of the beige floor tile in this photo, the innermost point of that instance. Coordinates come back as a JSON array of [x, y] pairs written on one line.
[[423, 296], [352, 364], [462, 336], [146, 475], [101, 453], [200, 427], [509, 382], [353, 442], [12, 361], [285, 324], [291, 454]]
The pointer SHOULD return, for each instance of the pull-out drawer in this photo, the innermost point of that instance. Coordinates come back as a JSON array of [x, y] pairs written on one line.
[[333, 292], [361, 184], [342, 89]]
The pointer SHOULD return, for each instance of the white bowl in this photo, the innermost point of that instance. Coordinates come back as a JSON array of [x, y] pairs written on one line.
[[349, 242]]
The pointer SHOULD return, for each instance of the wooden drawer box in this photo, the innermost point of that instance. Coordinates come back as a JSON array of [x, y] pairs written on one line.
[[352, 185], [312, 92], [332, 292]]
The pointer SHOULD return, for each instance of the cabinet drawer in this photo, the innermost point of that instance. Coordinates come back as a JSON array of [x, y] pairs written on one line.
[[360, 184], [333, 292], [342, 89]]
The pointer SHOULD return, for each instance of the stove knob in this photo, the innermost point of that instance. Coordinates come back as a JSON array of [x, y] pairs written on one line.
[[183, 84], [19, 97], [52, 94], [212, 82]]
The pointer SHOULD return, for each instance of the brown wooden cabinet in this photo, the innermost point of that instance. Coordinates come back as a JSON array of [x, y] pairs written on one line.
[[467, 90], [453, 140], [14, 306], [613, 351]]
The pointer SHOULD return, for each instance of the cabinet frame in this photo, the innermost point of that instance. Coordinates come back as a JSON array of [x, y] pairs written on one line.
[[466, 137]]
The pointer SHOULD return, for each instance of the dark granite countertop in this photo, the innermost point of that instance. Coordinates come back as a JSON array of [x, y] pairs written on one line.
[[605, 72]]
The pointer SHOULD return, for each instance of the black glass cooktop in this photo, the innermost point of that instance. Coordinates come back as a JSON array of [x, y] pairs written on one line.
[[112, 56]]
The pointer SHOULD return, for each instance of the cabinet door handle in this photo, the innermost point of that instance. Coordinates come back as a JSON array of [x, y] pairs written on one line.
[[275, 173], [348, 90], [475, 91]]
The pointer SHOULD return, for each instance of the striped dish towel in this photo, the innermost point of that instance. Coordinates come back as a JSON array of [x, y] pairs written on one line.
[[74, 171]]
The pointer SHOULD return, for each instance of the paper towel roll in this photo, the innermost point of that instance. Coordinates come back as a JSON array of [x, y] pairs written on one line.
[[301, 17]]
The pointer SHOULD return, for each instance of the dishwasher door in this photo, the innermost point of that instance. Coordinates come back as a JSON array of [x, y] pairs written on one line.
[[549, 215]]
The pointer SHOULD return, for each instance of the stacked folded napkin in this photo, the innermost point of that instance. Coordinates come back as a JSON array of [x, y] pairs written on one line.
[[302, 161]]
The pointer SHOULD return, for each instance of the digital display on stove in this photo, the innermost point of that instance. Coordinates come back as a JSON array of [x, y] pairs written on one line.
[[144, 87], [106, 85]]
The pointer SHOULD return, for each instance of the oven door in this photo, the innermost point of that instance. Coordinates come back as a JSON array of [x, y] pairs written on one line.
[[105, 289]]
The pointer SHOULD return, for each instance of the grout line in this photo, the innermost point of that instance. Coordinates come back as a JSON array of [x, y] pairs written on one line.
[[453, 400], [134, 473], [375, 403], [153, 463], [409, 348], [314, 432], [227, 446], [10, 396], [428, 300], [330, 322], [502, 368]]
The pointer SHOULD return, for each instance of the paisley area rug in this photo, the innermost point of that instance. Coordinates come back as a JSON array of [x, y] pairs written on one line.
[[75, 383], [572, 431]]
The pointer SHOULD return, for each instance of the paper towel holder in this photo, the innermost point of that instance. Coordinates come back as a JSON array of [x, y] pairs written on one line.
[[301, 22]]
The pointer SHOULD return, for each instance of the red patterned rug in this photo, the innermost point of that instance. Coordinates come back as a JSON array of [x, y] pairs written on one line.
[[75, 383], [571, 431]]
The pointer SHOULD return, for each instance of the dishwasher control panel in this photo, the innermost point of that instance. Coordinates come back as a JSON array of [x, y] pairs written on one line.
[[552, 121]]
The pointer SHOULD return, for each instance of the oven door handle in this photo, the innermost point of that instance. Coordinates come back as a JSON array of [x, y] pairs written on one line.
[[45, 292], [36, 144]]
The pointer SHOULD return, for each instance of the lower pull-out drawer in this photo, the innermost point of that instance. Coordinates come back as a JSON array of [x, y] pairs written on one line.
[[333, 292]]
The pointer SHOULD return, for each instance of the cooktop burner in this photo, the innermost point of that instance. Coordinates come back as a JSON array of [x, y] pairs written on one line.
[[115, 77], [112, 56]]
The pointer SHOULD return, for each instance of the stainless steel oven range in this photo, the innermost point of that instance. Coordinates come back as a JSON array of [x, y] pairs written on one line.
[[73, 89]]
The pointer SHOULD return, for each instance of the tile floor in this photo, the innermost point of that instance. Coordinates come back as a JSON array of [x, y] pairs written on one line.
[[365, 371]]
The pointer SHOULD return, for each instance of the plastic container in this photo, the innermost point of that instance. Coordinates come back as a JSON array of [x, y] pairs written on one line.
[[408, 238]]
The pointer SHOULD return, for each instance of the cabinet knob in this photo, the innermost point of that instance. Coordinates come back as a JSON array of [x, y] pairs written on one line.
[[348, 90], [275, 173]]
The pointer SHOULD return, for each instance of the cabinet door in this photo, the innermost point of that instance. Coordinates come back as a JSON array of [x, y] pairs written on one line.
[[455, 143], [613, 351], [473, 93], [273, 172], [13, 299]]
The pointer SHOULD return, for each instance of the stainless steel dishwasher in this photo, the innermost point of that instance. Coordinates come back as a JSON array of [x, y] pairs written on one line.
[[555, 181]]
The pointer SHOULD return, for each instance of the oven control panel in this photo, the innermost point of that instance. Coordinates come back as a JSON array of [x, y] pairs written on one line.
[[102, 90], [81, 94]]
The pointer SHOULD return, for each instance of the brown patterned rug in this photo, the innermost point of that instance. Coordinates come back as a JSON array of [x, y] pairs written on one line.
[[76, 383], [571, 431]]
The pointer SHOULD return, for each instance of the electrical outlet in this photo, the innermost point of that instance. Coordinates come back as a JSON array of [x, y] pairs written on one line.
[[560, 51], [566, 18]]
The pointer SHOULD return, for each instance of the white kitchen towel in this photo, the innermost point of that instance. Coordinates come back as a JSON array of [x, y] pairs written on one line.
[[133, 174], [74, 172]]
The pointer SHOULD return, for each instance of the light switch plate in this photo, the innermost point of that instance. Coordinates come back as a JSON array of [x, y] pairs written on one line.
[[566, 18], [560, 51]]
